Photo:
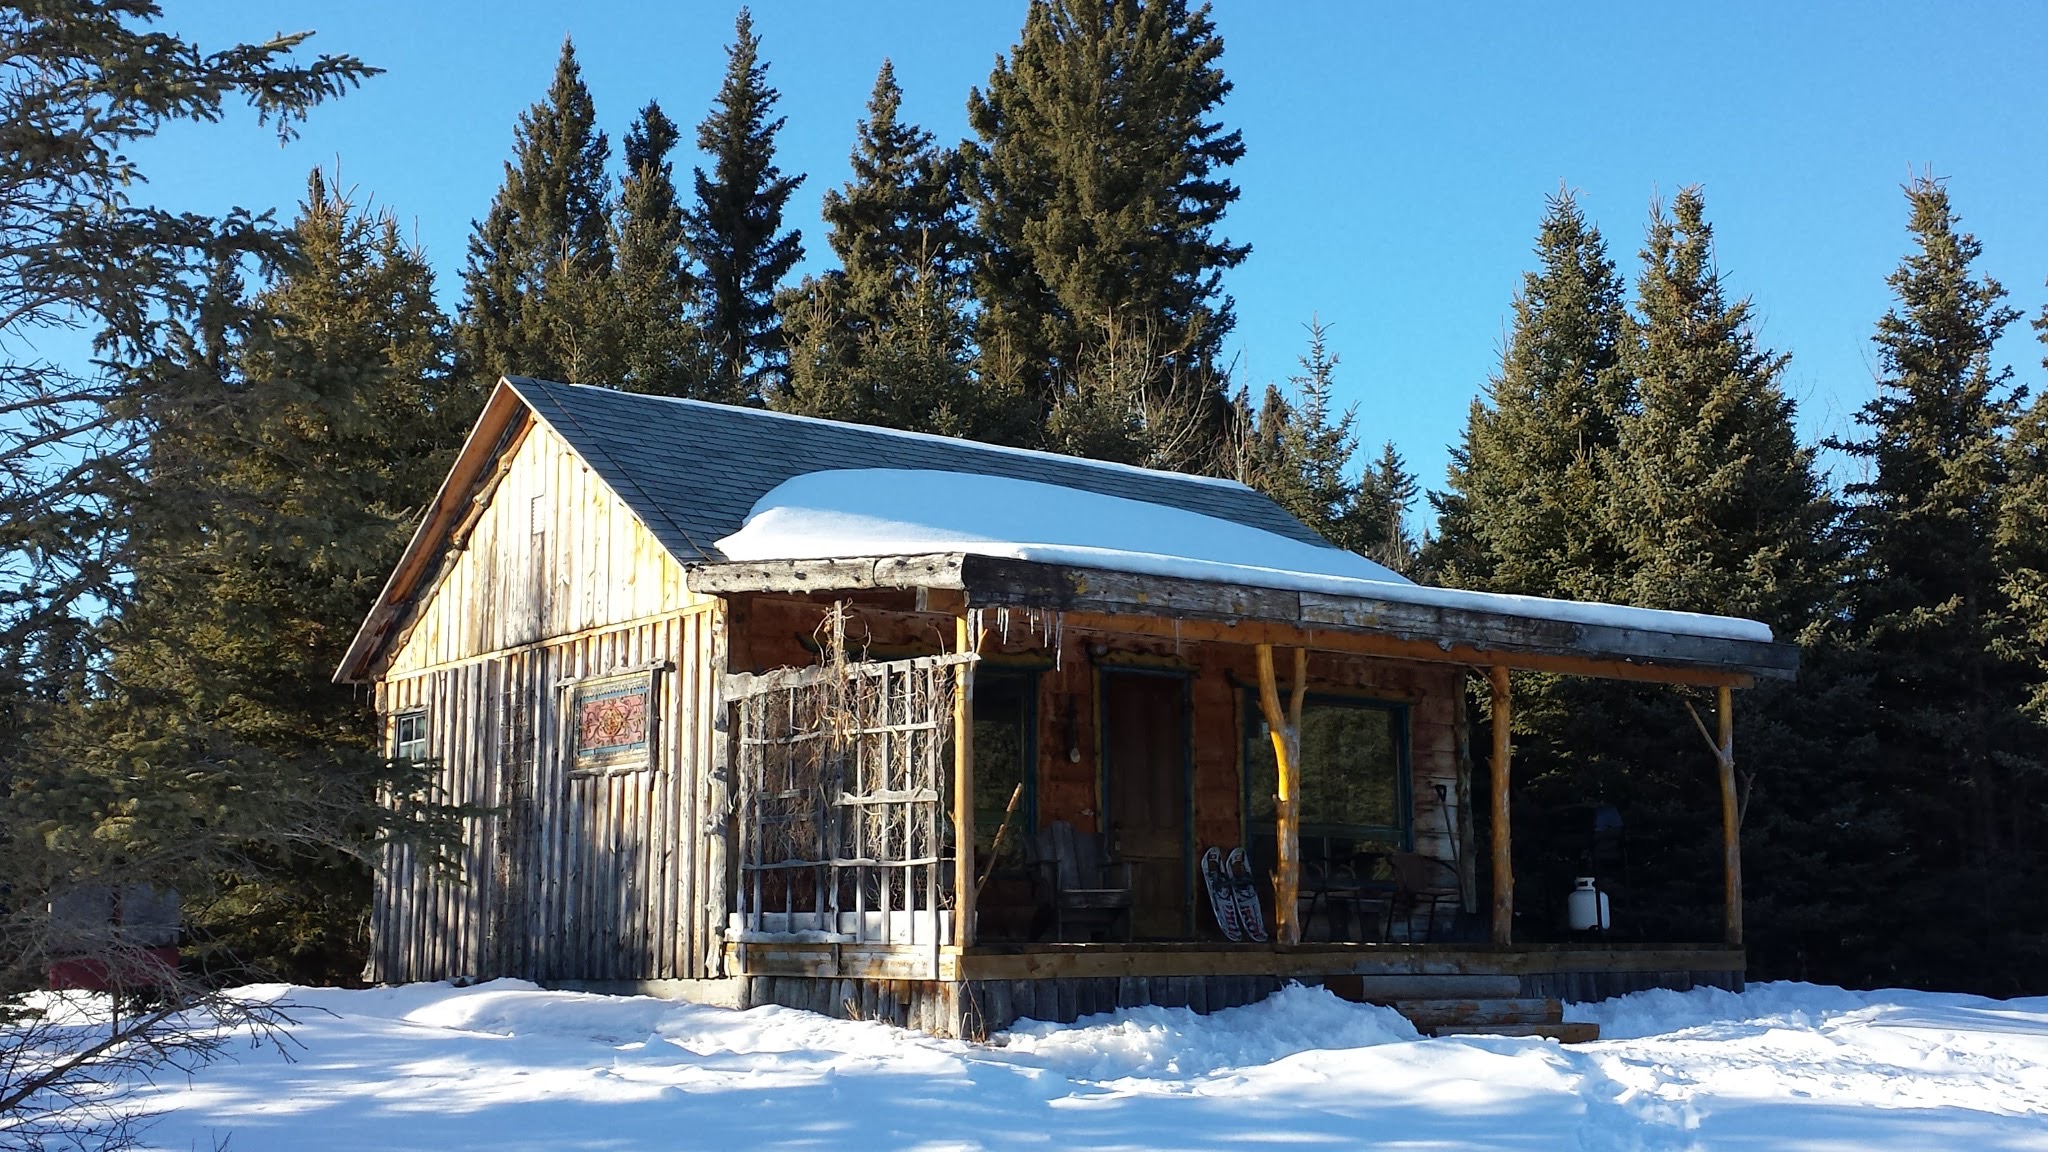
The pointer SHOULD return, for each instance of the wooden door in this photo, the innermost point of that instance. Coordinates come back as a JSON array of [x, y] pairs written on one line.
[[1145, 737]]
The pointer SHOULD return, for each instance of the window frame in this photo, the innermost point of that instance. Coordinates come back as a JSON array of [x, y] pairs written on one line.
[[399, 743], [1401, 714], [1029, 678]]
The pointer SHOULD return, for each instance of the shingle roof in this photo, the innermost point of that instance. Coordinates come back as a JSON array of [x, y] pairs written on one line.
[[692, 470]]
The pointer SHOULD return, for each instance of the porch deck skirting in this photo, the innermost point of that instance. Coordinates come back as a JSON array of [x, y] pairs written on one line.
[[987, 988]]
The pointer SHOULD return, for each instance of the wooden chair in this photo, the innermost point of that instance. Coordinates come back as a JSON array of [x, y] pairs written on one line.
[[1422, 883], [1079, 880], [1355, 888]]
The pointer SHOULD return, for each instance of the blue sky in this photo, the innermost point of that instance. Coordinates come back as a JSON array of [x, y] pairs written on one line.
[[1398, 156]]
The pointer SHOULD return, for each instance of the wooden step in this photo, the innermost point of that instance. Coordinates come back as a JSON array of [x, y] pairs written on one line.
[[1437, 1013], [1390, 987], [1562, 1033]]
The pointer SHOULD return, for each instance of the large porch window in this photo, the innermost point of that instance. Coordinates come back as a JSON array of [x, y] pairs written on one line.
[[1005, 719], [1354, 782]]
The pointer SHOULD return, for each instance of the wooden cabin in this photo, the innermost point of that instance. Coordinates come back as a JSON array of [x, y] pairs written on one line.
[[758, 708]]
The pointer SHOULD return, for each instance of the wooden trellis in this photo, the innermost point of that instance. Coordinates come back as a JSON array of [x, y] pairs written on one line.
[[845, 776]]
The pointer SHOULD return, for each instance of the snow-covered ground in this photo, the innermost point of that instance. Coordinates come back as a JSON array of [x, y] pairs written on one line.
[[504, 1066]]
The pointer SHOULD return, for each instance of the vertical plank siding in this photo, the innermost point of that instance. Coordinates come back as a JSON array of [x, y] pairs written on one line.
[[560, 874]]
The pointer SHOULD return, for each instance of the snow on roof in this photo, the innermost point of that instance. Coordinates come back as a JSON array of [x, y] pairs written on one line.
[[901, 511]]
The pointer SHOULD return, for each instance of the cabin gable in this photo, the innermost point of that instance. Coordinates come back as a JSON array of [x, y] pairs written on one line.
[[553, 552]]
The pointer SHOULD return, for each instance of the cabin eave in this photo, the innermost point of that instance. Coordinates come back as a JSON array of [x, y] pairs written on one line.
[[1249, 613]]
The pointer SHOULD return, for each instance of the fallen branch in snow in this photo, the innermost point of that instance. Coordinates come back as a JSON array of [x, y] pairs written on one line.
[[74, 1063]]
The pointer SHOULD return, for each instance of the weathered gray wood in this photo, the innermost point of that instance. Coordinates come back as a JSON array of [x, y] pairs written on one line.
[[940, 570], [1002, 582], [567, 876]]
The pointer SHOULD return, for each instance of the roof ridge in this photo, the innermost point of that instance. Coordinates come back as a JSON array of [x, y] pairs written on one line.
[[884, 430], [597, 445]]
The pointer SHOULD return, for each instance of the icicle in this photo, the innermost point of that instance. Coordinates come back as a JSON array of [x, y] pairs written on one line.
[[973, 629], [1059, 636], [1003, 624]]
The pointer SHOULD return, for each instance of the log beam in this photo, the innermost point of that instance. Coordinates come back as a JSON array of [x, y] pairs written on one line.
[[1389, 647], [1466, 634], [965, 642], [1285, 728], [1731, 821], [1503, 863]]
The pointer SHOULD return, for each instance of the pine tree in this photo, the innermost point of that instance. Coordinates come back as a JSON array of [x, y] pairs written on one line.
[[538, 259], [1523, 510], [734, 230], [1930, 608], [657, 347], [1099, 187], [263, 532]]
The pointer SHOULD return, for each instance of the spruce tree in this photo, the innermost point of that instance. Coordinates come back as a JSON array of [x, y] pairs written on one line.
[[2023, 541], [1297, 448], [89, 84], [1300, 450], [1098, 180], [657, 345], [900, 218], [1931, 610], [311, 437], [734, 229], [1715, 507], [1713, 502], [884, 338], [1522, 513], [538, 259], [1386, 494]]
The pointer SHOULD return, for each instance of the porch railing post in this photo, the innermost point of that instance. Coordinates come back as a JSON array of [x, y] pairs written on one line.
[[1503, 863], [1731, 819], [965, 642]]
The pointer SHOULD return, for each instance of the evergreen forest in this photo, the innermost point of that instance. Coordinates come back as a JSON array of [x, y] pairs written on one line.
[[193, 523]]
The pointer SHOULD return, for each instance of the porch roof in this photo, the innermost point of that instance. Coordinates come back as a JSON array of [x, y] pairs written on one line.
[[1401, 621]]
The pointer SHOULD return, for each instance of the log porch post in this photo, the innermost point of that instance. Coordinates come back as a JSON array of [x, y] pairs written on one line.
[[965, 642], [1731, 819], [1503, 863], [1285, 728]]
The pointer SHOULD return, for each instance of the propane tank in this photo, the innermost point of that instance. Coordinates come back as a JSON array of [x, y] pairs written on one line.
[[1587, 907]]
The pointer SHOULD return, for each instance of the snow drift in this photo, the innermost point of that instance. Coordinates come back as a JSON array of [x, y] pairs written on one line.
[[507, 1067]]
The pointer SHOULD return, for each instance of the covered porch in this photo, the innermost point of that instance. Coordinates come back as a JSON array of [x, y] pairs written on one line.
[[1040, 711]]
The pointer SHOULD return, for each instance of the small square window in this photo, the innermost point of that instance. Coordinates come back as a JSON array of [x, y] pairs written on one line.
[[410, 736]]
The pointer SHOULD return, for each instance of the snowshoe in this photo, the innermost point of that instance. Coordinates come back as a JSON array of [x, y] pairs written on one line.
[[1222, 894], [1245, 891]]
